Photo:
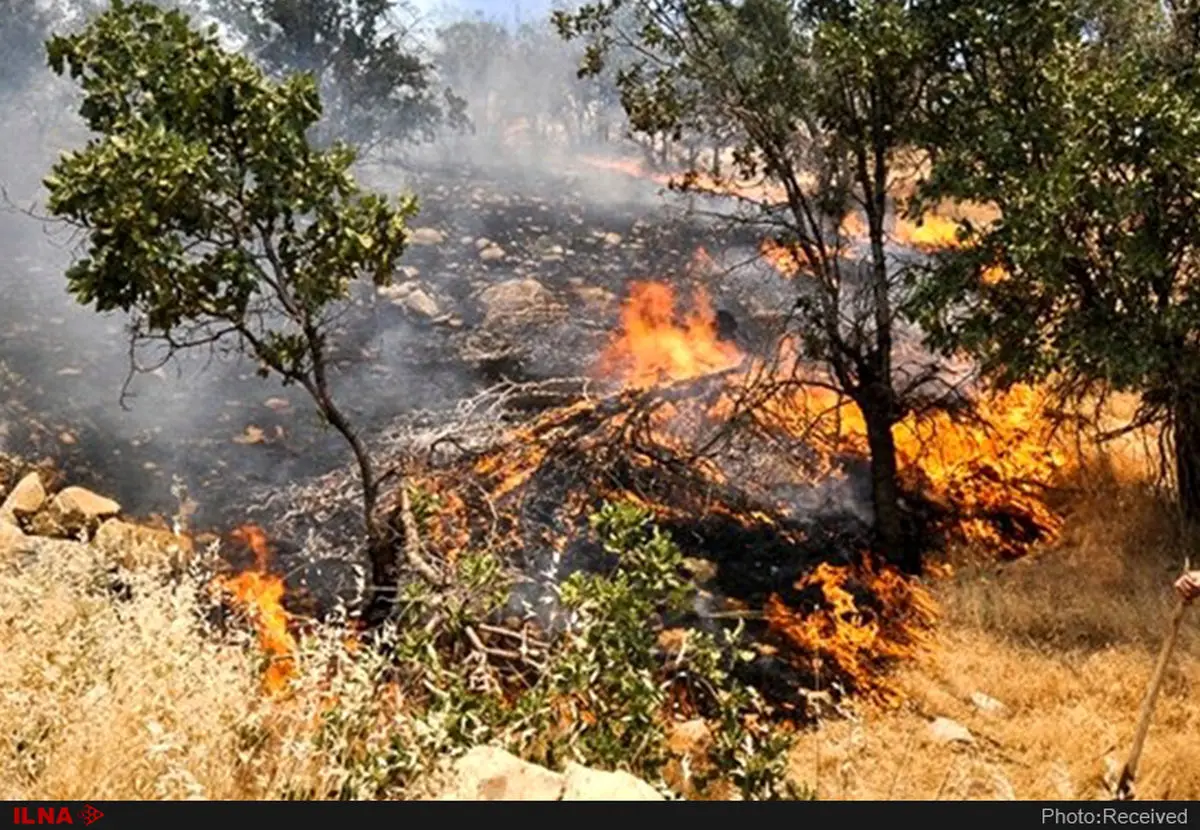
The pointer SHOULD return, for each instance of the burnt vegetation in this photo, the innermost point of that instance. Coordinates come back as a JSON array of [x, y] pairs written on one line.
[[673, 346]]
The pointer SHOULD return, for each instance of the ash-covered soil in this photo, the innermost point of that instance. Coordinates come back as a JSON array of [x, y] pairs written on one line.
[[508, 277]]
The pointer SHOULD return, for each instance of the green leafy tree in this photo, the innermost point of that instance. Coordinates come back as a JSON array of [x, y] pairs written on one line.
[[1079, 121], [376, 85], [210, 218], [820, 97]]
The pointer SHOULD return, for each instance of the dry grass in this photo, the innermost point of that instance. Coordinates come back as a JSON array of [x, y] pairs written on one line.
[[1066, 640], [102, 696]]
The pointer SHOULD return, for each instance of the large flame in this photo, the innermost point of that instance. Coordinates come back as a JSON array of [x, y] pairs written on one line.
[[260, 593], [657, 345]]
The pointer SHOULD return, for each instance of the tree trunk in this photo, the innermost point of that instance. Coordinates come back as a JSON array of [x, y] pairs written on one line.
[[896, 545], [1185, 430]]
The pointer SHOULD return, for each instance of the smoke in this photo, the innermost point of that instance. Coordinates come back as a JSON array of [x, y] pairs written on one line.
[[67, 392]]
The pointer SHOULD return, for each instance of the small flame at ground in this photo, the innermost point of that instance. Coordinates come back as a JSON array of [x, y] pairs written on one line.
[[260, 594]]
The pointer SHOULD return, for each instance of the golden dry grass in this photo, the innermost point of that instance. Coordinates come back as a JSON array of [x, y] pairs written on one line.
[[103, 697], [136, 698], [1067, 641]]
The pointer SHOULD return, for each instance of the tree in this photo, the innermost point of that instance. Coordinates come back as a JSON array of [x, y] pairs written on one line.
[[376, 85], [822, 96], [210, 218], [1079, 121]]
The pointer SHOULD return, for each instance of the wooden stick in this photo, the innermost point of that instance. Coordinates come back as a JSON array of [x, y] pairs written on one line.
[[1129, 771]]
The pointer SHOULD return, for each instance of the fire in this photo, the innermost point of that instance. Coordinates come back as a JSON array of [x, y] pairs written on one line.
[[786, 259], [932, 232], [261, 595], [853, 638], [654, 346]]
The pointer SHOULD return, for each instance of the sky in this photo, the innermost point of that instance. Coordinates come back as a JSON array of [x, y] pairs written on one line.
[[502, 11]]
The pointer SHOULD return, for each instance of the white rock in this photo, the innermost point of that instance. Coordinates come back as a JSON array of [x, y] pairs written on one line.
[[584, 784], [487, 773], [947, 731], [987, 704]]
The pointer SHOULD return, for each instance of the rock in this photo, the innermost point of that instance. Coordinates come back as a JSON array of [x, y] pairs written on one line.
[[133, 546], [947, 731], [11, 539], [396, 292], [584, 784], [83, 502], [488, 773], [27, 498], [988, 705], [513, 299], [482, 242], [612, 239], [421, 304], [426, 236], [492, 253], [600, 299]]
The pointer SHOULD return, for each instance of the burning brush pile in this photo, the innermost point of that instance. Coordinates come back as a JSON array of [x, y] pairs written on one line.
[[755, 473]]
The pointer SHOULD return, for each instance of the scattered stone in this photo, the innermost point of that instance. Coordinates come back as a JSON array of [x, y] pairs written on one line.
[[514, 299], [947, 731], [409, 272], [421, 304], [482, 242], [277, 404], [487, 773], [11, 539], [612, 239], [27, 498], [988, 705], [584, 784], [426, 236], [492, 253], [132, 546], [396, 292], [79, 501]]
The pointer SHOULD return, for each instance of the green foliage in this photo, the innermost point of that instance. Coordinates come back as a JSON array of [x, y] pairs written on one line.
[[1083, 133], [376, 84], [601, 698], [206, 209]]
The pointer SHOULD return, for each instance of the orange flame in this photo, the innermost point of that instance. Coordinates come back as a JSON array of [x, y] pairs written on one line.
[[261, 595], [653, 346], [857, 641]]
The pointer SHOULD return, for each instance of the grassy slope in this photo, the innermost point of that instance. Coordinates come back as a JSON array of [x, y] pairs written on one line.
[[104, 699]]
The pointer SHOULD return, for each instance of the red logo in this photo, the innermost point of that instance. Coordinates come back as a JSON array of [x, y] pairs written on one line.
[[55, 815], [41, 815]]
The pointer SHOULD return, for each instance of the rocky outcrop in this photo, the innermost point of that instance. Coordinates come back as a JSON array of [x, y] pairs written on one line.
[[488, 773], [77, 521]]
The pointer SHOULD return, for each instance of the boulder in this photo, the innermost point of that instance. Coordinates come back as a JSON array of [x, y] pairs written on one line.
[[488, 773], [584, 784], [426, 236], [132, 546], [11, 540], [83, 503], [27, 498], [514, 300]]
